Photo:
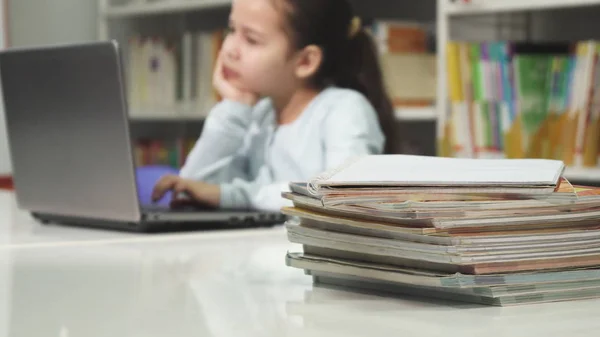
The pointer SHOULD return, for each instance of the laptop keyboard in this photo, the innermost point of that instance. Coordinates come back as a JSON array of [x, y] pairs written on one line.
[[180, 209]]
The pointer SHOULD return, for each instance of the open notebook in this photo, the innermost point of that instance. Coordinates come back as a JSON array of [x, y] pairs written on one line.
[[424, 171]]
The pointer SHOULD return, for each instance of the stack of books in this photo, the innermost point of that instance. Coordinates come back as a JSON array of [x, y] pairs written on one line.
[[490, 231]]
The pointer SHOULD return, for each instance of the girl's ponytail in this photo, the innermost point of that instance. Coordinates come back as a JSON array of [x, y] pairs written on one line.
[[351, 57], [361, 71]]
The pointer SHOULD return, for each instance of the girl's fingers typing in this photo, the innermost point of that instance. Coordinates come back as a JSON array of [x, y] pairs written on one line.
[[180, 186], [165, 184], [190, 188]]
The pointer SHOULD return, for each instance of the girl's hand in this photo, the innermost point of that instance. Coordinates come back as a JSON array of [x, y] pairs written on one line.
[[201, 193], [229, 90]]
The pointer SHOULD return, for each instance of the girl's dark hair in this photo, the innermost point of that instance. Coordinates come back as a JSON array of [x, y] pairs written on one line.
[[350, 61]]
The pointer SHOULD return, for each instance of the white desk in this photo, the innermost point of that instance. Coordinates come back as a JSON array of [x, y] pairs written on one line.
[[57, 281]]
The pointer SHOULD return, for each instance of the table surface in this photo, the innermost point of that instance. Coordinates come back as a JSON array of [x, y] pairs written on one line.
[[64, 281]]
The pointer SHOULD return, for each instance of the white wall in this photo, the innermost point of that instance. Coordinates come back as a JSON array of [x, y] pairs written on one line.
[[4, 157], [35, 22], [40, 22]]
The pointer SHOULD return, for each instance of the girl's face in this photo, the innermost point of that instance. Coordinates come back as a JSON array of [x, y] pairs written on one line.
[[255, 53]]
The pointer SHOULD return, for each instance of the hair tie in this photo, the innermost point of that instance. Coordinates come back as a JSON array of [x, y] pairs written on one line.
[[355, 26]]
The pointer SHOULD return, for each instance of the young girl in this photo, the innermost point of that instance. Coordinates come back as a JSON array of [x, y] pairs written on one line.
[[323, 101]]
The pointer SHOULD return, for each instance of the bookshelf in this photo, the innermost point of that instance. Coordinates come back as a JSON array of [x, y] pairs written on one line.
[[422, 114], [159, 7], [531, 21], [452, 8], [179, 112]]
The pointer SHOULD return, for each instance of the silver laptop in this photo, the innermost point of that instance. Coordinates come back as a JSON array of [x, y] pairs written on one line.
[[72, 156]]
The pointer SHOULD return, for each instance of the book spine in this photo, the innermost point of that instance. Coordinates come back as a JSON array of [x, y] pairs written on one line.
[[314, 185]]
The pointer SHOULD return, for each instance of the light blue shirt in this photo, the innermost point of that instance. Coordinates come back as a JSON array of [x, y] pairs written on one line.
[[253, 159]]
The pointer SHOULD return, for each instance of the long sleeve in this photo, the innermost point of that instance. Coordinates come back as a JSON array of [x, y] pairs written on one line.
[[343, 128], [260, 194], [351, 129], [218, 154]]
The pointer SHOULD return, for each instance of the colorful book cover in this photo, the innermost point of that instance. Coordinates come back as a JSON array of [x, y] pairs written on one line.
[[531, 72], [567, 92], [589, 146], [587, 192], [448, 142], [558, 74], [476, 72], [468, 114]]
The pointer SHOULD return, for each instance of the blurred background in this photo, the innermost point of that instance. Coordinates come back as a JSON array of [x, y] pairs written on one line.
[[168, 107], [517, 79]]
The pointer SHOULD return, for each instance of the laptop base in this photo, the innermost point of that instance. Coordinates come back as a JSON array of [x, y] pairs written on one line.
[[156, 225]]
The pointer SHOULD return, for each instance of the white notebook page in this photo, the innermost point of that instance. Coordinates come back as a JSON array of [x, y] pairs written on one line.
[[423, 170]]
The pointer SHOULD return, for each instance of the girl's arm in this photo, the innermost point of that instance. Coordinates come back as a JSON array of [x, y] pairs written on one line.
[[259, 194], [217, 156]]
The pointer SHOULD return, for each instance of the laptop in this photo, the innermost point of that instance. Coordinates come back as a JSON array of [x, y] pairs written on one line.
[[69, 140]]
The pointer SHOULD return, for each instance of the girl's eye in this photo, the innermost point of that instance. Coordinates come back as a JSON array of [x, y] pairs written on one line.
[[251, 41], [229, 30]]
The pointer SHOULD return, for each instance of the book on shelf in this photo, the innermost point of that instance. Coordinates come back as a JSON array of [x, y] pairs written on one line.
[[394, 36], [170, 74], [162, 152], [523, 100], [407, 61]]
